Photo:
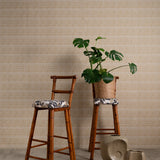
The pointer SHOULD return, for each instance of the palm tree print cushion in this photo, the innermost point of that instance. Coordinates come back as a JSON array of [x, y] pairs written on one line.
[[111, 101], [50, 104]]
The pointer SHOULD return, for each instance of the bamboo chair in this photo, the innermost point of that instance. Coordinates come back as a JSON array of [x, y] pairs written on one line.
[[51, 136], [100, 131]]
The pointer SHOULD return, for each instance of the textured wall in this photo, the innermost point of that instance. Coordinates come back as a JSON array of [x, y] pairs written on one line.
[[36, 41]]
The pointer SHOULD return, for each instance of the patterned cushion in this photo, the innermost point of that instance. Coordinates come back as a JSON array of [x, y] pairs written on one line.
[[112, 101], [50, 104]]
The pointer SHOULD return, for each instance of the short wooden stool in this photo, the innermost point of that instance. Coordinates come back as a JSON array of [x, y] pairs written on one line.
[[54, 106], [100, 131]]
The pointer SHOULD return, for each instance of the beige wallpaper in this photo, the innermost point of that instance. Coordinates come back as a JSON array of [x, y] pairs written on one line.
[[36, 41]]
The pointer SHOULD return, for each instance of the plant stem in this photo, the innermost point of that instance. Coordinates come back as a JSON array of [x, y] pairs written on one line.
[[91, 66], [100, 66], [97, 66], [118, 67], [89, 61]]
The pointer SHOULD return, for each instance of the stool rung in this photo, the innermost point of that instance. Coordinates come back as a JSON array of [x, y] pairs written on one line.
[[37, 140], [97, 148], [97, 142], [61, 149], [63, 153], [60, 137], [38, 145], [62, 91], [37, 158], [104, 133], [109, 129]]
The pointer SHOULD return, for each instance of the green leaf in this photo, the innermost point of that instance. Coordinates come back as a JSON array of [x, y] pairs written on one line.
[[107, 77], [101, 49], [95, 59], [80, 43], [88, 53], [102, 71], [86, 43], [96, 51], [133, 68], [99, 38], [106, 53], [91, 76], [115, 55]]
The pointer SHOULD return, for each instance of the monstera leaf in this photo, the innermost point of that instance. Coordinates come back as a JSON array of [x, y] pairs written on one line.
[[133, 68], [88, 53], [80, 43], [95, 59], [91, 76], [107, 77], [114, 55], [97, 51]]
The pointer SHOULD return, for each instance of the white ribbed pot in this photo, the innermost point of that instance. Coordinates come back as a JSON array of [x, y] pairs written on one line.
[[113, 147], [134, 155]]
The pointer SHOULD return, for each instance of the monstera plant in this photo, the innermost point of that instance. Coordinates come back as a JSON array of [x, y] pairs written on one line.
[[98, 56]]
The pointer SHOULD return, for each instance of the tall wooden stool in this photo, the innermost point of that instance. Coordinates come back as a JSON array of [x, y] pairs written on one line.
[[54, 106], [100, 131]]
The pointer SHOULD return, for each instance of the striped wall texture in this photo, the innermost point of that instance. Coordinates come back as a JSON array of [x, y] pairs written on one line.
[[36, 42]]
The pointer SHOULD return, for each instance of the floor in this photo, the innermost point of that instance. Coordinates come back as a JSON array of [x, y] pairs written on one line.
[[81, 154]]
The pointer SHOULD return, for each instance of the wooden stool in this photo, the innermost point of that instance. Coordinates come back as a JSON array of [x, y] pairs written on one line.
[[54, 106], [99, 131]]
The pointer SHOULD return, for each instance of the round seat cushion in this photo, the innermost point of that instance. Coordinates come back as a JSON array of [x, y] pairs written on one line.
[[50, 104], [112, 101]]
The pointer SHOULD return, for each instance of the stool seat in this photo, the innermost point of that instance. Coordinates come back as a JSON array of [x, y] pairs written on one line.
[[50, 104], [111, 101]]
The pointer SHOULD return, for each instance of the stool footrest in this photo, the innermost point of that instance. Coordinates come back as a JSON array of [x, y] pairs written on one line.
[[109, 129], [37, 140], [96, 148], [97, 142], [61, 149], [104, 133], [62, 153], [60, 137], [37, 158], [38, 145]]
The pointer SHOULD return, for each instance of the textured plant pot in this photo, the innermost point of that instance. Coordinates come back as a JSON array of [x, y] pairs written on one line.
[[134, 155], [105, 90], [113, 147]]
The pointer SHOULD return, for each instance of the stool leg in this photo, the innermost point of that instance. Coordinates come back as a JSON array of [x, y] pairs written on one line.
[[31, 133], [93, 130], [70, 134], [73, 149], [50, 145], [115, 119]]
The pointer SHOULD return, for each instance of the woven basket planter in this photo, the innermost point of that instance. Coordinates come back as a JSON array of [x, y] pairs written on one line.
[[105, 90]]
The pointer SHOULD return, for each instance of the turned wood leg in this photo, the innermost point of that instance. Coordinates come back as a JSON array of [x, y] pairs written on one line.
[[94, 128], [50, 145], [115, 119], [31, 133], [70, 134]]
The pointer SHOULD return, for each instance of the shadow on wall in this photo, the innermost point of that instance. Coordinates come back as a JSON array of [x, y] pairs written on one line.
[[81, 110]]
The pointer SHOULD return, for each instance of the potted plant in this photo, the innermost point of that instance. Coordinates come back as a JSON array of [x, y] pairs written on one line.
[[96, 74]]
